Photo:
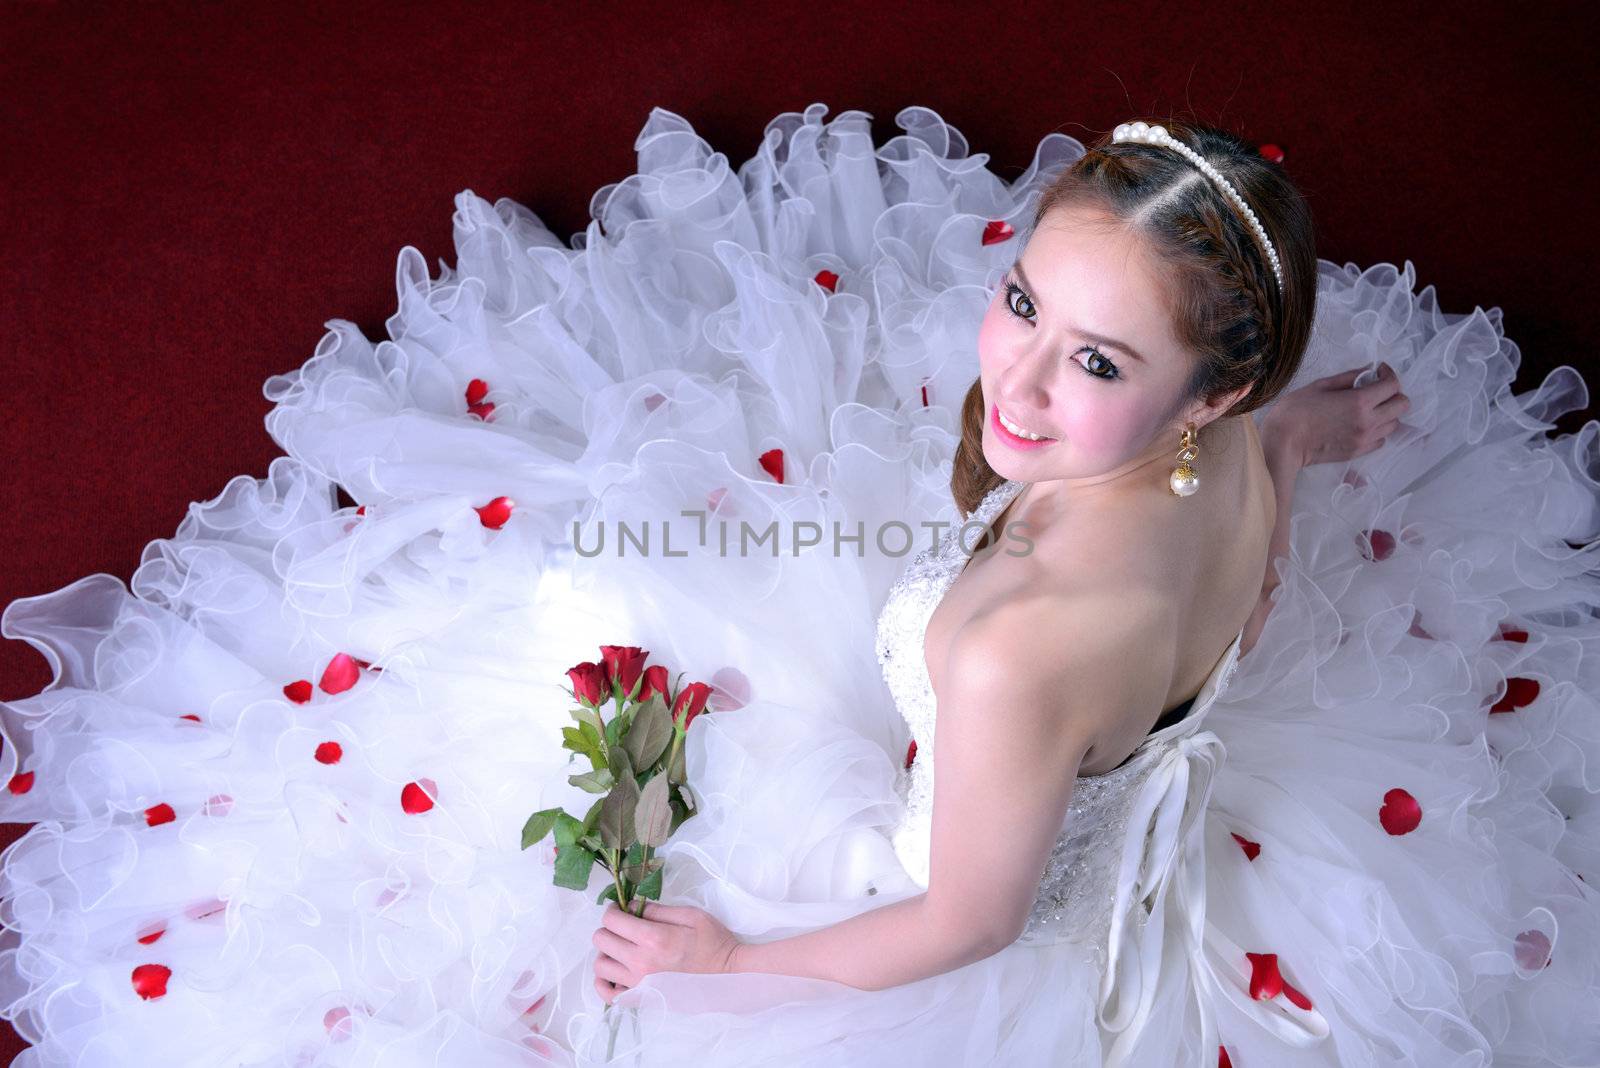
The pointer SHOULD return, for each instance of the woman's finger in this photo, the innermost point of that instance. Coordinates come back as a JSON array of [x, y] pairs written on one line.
[[613, 970], [613, 944], [607, 990]]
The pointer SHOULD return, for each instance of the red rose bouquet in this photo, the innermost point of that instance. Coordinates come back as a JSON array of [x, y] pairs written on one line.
[[630, 724]]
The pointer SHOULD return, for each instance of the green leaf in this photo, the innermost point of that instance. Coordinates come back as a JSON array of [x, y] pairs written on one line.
[[538, 825], [649, 733], [621, 766], [573, 864], [567, 829], [616, 814], [592, 815], [588, 717], [652, 818], [613, 732], [651, 887], [677, 772], [609, 892], [594, 782]]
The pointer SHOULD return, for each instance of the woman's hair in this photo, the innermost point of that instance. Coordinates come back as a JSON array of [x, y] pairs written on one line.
[[1225, 304]]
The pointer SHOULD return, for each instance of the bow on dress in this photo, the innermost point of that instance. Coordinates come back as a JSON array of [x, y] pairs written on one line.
[[1164, 850]]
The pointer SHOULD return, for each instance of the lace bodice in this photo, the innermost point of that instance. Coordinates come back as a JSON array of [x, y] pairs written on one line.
[[1077, 894]]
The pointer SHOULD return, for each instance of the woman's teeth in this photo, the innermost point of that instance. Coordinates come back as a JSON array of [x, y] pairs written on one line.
[[1018, 431]]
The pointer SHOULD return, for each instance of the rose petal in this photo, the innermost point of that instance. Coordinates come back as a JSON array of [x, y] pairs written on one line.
[[340, 674], [417, 797], [494, 514], [1400, 813], [996, 231], [772, 463], [150, 980]]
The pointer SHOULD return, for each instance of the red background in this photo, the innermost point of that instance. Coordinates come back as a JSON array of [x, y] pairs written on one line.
[[192, 189]]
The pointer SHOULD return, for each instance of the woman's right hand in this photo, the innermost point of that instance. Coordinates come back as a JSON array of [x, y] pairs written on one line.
[[1331, 419]]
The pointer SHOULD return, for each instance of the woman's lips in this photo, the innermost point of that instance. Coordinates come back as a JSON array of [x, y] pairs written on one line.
[[1011, 439]]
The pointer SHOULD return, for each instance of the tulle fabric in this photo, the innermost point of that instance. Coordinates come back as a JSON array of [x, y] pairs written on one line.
[[822, 300]]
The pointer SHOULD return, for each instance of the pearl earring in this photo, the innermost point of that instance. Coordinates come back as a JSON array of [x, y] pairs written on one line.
[[1184, 481]]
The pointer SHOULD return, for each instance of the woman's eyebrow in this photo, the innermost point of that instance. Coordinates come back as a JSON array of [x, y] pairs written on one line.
[[1099, 339]]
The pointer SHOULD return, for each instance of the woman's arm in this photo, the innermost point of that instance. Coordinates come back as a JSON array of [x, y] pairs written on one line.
[[1017, 713], [1330, 420], [1284, 460], [882, 947]]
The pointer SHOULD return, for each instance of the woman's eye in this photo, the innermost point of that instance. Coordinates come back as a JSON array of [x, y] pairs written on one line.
[[1110, 371], [1014, 290]]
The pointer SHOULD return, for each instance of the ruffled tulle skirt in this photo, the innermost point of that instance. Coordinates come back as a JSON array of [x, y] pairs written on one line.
[[278, 785]]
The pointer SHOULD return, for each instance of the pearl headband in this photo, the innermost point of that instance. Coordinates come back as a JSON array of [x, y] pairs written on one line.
[[1144, 133]]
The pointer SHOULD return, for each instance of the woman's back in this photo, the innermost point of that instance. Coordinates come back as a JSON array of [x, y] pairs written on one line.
[[1203, 556]]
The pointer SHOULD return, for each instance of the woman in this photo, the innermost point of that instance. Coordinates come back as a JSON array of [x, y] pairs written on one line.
[[1144, 850]]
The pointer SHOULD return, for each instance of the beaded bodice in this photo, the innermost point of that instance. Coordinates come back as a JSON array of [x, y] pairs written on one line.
[[1078, 891]]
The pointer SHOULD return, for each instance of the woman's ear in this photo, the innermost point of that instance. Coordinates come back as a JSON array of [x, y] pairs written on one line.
[[1202, 413]]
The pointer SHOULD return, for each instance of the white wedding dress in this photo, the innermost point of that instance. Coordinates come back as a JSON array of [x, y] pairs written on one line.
[[250, 849]]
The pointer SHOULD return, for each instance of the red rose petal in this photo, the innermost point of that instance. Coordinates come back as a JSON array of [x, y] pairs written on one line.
[[996, 231], [191, 717], [1520, 692], [924, 392], [1416, 630], [494, 514], [1376, 544], [1270, 152], [417, 797], [362, 510], [153, 936], [1400, 813], [329, 753], [1265, 981], [298, 691], [911, 752], [156, 815], [217, 805], [654, 401], [827, 280], [336, 1021], [1533, 950], [482, 411], [1511, 634], [150, 980], [340, 674], [730, 689], [477, 389], [211, 907], [1296, 997], [1251, 849], [714, 499], [1223, 1061], [772, 463], [21, 782]]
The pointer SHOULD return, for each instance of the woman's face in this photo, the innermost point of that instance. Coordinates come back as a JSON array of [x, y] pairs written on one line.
[[1077, 346]]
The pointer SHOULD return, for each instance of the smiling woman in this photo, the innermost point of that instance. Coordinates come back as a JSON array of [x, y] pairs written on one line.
[[278, 782]]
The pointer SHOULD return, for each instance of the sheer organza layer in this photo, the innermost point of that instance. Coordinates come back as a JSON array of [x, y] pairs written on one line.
[[822, 301]]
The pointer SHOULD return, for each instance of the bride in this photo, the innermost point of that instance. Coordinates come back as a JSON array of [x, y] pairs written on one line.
[[1258, 687]]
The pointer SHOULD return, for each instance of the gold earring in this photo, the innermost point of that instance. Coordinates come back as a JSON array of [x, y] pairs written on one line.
[[1184, 481]]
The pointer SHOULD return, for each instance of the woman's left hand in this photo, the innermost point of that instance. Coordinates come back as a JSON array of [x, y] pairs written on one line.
[[667, 938]]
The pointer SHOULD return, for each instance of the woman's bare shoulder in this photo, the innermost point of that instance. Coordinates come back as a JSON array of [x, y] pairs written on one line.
[[1075, 665]]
